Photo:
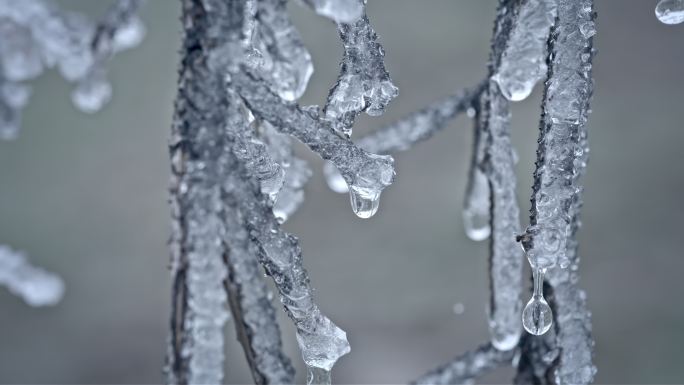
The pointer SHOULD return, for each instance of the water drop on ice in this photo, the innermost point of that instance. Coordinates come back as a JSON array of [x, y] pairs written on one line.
[[537, 317], [317, 376], [670, 11], [334, 179], [365, 202]]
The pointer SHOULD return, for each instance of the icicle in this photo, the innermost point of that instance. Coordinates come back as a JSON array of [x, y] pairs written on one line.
[[363, 83], [523, 62], [556, 200], [34, 285], [476, 207], [340, 11], [367, 174], [670, 11]]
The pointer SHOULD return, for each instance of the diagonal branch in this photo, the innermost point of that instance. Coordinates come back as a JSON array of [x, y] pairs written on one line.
[[470, 365]]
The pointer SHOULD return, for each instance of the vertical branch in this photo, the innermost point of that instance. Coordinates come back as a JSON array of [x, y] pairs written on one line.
[[556, 198], [206, 229], [506, 256]]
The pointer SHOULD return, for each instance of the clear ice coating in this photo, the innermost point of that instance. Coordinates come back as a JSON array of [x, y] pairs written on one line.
[[340, 11], [34, 285], [363, 84], [537, 317], [670, 11], [404, 133], [317, 376], [367, 174], [37, 35], [523, 62]]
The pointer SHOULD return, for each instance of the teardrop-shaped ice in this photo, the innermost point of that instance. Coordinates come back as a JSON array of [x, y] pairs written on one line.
[[670, 11], [364, 202], [537, 317]]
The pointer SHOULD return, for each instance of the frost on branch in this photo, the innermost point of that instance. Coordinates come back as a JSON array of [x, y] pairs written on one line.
[[37, 35], [498, 165], [363, 84], [523, 62], [34, 285]]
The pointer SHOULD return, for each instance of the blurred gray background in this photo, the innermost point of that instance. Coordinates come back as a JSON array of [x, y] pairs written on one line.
[[85, 196]]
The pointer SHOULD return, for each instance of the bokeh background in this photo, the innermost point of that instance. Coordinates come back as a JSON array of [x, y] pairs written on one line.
[[86, 197]]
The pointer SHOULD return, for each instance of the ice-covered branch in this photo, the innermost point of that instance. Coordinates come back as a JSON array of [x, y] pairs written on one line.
[[410, 130], [498, 165], [37, 35], [250, 303], [34, 285], [367, 174], [562, 148], [465, 368], [363, 84], [556, 200]]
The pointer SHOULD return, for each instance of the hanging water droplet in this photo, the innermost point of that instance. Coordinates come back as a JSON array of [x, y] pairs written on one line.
[[364, 202], [514, 90], [670, 11], [334, 179], [317, 376], [537, 317]]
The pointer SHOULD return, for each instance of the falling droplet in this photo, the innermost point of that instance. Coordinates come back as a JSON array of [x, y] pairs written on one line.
[[317, 376], [537, 317], [670, 11], [459, 308], [334, 179], [364, 202]]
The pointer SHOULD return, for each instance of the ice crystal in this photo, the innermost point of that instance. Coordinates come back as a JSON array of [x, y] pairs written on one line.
[[36, 35], [670, 11], [34, 285], [364, 84], [523, 62]]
